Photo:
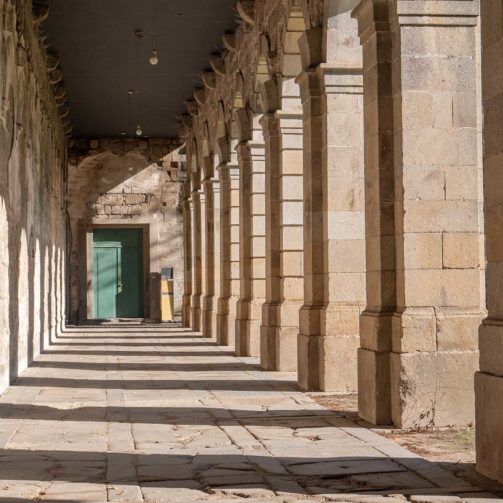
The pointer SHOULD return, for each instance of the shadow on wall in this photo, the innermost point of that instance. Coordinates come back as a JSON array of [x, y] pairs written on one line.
[[124, 182]]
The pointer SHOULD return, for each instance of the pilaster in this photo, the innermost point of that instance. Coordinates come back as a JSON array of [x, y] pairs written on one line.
[[211, 254], [284, 240], [334, 226], [421, 74], [195, 302], [222, 332], [187, 248], [489, 381], [251, 158]]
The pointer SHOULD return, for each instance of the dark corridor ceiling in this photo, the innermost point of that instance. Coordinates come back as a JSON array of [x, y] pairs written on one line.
[[97, 47]]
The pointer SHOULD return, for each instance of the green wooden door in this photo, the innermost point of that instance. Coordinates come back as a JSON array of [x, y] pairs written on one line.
[[118, 273]]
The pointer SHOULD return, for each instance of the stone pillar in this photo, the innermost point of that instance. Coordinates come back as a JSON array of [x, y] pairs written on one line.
[[284, 241], [203, 226], [489, 381], [235, 281], [421, 121], [374, 399], [251, 156], [217, 254], [195, 303], [334, 224], [210, 262], [187, 249], [222, 333]]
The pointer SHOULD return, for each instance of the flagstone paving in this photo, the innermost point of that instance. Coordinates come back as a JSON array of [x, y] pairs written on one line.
[[162, 415]]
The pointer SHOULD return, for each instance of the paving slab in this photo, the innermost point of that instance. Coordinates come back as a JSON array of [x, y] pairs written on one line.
[[163, 415]]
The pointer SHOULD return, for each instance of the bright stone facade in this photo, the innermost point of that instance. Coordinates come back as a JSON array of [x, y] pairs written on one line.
[[372, 277]]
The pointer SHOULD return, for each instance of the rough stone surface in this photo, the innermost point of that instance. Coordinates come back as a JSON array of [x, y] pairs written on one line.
[[125, 182], [32, 221], [489, 382], [118, 414]]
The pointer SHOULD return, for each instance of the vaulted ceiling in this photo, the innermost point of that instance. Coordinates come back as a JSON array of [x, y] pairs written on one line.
[[102, 59]]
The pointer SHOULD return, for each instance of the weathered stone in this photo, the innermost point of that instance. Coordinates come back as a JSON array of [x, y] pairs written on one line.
[[132, 191]]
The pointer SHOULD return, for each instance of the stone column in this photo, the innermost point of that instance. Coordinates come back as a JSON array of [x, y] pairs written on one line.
[[235, 282], [208, 255], [284, 241], [217, 254], [187, 249], [251, 156], [489, 381], [195, 304], [422, 97], [334, 232], [374, 399], [203, 226], [222, 333]]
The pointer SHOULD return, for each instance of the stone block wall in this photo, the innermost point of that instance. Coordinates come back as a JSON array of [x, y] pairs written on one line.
[[125, 182], [32, 224]]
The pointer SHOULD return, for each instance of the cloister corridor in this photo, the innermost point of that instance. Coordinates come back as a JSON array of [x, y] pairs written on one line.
[[162, 414]]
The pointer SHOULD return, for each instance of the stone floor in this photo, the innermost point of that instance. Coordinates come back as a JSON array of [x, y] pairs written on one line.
[[142, 414]]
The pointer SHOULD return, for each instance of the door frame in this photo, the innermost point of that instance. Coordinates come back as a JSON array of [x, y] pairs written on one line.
[[100, 245], [151, 266]]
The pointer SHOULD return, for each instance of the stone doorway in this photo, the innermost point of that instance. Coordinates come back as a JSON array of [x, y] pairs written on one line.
[[118, 273]]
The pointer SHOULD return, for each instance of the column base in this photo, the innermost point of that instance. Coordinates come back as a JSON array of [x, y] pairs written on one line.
[[374, 385], [278, 336], [247, 330], [195, 314], [186, 311], [327, 363], [222, 321], [433, 389], [432, 364], [231, 323], [223, 329], [278, 348], [489, 431], [247, 337], [186, 317], [207, 314]]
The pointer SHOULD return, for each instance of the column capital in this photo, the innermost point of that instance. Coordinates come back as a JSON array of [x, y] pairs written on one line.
[[372, 17], [310, 83], [269, 123], [211, 181]]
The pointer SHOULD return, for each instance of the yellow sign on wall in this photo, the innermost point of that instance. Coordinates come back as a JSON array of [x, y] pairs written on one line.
[[167, 294]]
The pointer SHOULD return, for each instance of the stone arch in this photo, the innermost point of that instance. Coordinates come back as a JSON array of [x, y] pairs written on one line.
[[291, 61]]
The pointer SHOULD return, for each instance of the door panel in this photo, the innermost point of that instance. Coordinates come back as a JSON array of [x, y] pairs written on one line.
[[129, 297], [105, 284], [118, 273]]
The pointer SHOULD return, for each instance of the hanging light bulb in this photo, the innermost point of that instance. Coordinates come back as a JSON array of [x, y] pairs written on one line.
[[154, 59], [139, 132]]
